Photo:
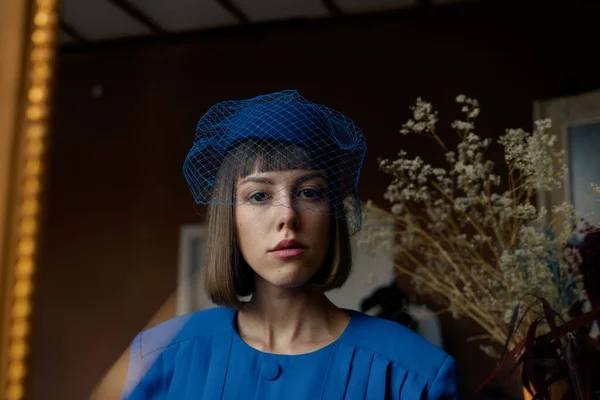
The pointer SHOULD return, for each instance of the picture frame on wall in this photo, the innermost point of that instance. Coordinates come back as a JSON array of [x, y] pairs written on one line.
[[191, 296], [576, 124]]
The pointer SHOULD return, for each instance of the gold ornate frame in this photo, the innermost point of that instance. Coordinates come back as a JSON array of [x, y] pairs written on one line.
[[28, 41]]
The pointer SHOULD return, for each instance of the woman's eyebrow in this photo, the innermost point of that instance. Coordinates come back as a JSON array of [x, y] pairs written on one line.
[[259, 179], [310, 176], [255, 179]]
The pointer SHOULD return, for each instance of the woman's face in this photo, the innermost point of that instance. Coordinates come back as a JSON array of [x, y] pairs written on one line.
[[283, 206]]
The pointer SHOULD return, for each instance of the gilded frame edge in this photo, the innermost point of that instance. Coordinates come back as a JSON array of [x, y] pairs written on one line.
[[35, 33]]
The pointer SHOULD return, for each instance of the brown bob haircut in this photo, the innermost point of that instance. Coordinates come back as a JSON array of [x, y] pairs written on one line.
[[227, 276]]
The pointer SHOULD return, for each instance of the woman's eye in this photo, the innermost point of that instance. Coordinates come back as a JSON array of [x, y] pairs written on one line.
[[312, 193], [258, 197]]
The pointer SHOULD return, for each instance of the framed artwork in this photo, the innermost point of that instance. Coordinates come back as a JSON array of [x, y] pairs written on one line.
[[190, 290], [576, 123]]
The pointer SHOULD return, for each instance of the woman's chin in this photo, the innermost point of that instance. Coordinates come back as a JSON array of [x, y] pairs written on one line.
[[290, 279], [290, 275]]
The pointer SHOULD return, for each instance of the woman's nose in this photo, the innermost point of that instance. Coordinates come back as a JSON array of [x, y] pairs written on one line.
[[287, 214]]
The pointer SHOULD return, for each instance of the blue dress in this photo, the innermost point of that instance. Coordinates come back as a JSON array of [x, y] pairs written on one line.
[[201, 356]]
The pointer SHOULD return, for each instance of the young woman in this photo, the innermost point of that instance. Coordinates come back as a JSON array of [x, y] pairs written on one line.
[[280, 175]]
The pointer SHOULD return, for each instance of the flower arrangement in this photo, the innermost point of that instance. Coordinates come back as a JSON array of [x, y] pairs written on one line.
[[475, 241]]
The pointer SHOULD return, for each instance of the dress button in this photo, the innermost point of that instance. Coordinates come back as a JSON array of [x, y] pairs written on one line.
[[270, 370]]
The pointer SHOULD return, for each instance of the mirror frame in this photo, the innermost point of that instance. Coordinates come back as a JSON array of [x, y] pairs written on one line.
[[28, 47]]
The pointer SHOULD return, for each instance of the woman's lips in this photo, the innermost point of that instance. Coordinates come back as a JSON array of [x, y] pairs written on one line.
[[287, 253]]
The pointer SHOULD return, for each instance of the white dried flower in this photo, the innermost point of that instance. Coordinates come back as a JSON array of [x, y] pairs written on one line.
[[473, 113], [398, 208], [451, 157], [533, 155], [525, 211], [542, 212], [463, 125], [423, 120]]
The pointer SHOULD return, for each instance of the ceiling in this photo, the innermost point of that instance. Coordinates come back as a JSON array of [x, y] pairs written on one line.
[[84, 21]]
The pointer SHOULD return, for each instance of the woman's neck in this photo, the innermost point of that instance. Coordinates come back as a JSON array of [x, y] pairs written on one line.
[[290, 321]]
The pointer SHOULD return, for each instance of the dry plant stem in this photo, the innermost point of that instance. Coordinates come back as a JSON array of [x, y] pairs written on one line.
[[440, 312], [525, 196], [446, 287], [477, 256], [488, 194], [491, 326], [441, 143], [446, 239], [484, 319], [499, 236], [474, 313], [433, 277], [479, 337], [477, 282], [511, 184], [442, 251]]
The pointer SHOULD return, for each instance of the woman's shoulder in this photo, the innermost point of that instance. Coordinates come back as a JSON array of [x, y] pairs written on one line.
[[205, 323], [398, 343]]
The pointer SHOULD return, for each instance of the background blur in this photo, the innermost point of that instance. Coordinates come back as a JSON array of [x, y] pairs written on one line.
[[135, 76]]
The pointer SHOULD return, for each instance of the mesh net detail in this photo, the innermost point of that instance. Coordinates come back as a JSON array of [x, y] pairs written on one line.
[[291, 151]]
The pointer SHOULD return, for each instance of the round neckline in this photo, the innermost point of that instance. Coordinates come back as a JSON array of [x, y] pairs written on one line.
[[325, 348]]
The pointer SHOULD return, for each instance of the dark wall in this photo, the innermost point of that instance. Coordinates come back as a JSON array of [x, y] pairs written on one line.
[[116, 195]]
